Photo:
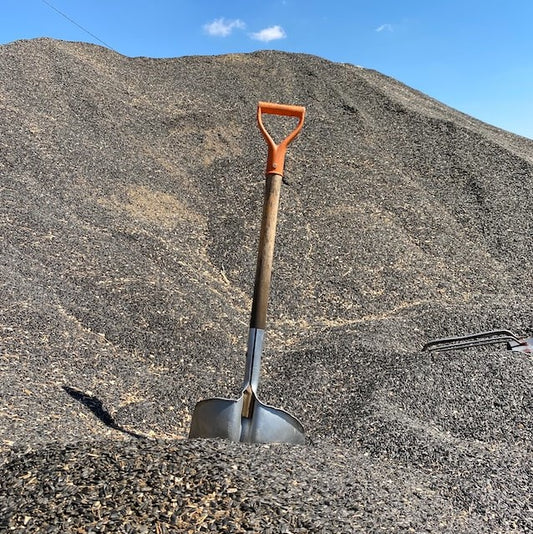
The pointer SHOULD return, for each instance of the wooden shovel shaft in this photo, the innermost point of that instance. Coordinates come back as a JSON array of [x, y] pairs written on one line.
[[265, 254], [274, 176]]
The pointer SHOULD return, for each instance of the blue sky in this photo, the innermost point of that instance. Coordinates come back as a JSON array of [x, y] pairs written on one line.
[[476, 56]]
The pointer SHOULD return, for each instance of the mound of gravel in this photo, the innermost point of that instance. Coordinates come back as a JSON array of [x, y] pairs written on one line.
[[131, 194]]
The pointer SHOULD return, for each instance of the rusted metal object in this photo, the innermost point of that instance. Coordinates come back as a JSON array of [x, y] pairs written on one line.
[[492, 337]]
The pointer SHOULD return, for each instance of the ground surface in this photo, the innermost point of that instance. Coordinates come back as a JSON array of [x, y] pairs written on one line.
[[131, 192]]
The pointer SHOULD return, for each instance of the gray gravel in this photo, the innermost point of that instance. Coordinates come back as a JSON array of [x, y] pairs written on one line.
[[131, 191]]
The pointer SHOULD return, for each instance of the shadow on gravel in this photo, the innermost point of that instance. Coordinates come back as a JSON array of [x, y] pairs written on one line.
[[97, 408]]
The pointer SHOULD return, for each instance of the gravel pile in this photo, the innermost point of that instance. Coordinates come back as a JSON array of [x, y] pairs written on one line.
[[131, 191]]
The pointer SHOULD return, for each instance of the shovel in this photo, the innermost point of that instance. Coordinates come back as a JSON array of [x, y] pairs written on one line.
[[247, 419]]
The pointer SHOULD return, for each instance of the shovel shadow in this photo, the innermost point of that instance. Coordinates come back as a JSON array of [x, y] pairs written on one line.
[[98, 410]]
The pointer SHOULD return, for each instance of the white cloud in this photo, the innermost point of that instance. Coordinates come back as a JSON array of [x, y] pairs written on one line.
[[269, 34], [222, 27], [384, 28]]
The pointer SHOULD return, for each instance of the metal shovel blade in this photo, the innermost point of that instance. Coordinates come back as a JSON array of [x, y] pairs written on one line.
[[246, 419], [222, 418]]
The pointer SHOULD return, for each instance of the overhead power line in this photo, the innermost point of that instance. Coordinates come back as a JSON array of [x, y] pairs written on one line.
[[76, 24]]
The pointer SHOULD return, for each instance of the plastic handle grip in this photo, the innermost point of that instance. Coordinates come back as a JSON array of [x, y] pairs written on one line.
[[276, 153]]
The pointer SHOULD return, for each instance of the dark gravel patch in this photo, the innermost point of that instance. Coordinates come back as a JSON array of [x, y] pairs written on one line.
[[204, 486], [131, 191]]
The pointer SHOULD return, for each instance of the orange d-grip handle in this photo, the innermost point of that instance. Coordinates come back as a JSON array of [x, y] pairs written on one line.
[[276, 153]]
